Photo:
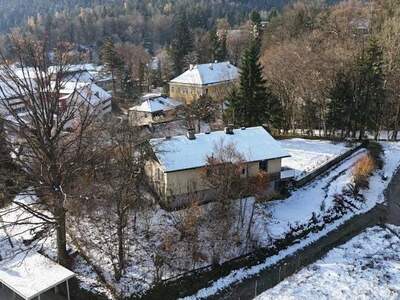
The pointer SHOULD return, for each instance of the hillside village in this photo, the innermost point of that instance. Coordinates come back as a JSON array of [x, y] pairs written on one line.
[[253, 169]]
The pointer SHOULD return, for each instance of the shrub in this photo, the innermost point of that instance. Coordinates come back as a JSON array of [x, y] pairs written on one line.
[[376, 152], [362, 170]]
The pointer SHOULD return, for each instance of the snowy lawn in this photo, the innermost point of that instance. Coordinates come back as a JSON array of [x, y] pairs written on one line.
[[274, 219], [307, 155], [366, 267]]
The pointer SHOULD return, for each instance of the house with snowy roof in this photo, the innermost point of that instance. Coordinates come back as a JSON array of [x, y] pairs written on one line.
[[89, 94], [213, 79], [154, 109], [178, 165]]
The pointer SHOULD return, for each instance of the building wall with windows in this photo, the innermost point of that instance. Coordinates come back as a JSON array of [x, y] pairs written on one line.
[[175, 187], [189, 93]]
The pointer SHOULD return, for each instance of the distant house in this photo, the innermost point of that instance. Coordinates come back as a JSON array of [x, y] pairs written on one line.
[[89, 94], [213, 79], [154, 109], [9, 100], [177, 168]]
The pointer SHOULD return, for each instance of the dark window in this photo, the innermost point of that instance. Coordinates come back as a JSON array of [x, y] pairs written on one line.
[[264, 165]]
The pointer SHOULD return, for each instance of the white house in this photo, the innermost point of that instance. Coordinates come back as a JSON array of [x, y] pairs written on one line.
[[177, 168], [153, 110], [88, 93]]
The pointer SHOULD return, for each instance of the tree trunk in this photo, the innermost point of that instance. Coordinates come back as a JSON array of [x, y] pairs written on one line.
[[121, 259], [62, 255]]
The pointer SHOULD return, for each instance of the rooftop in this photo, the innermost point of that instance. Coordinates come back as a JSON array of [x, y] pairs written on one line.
[[32, 274], [91, 92], [180, 153], [155, 102], [208, 74]]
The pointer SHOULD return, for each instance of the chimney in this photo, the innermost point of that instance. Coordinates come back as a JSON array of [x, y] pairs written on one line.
[[190, 134], [211, 66], [229, 129], [191, 67]]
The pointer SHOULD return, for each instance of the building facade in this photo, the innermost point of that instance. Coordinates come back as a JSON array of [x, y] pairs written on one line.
[[215, 80], [179, 164]]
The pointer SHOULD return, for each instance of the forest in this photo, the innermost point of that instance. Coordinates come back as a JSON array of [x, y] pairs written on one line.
[[326, 66]]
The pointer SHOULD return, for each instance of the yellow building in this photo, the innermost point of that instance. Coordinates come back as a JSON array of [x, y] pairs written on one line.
[[177, 169], [214, 80]]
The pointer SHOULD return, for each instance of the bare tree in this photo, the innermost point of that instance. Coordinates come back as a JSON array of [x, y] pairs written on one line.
[[50, 156], [114, 187]]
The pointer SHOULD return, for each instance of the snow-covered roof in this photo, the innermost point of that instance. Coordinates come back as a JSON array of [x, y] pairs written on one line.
[[33, 274], [180, 153], [90, 91], [155, 103], [6, 92], [208, 74]]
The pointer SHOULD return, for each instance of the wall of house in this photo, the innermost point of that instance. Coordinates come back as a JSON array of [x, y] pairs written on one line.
[[186, 181], [189, 93], [157, 178], [141, 118], [174, 187], [274, 166]]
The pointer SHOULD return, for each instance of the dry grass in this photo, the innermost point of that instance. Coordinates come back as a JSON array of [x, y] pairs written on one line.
[[363, 170]]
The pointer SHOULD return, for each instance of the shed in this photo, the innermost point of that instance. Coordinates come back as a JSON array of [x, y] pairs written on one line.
[[32, 276]]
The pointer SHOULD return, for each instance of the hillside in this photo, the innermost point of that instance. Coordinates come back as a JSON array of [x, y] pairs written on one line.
[[16, 13]]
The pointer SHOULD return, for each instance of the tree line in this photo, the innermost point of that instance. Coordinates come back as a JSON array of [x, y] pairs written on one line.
[[331, 69]]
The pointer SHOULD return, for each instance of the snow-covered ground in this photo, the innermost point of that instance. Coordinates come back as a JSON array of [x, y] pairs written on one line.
[[275, 219], [156, 229], [18, 237], [366, 267], [307, 155]]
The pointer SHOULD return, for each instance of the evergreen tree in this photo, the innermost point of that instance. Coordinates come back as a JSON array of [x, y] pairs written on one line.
[[255, 19], [219, 49], [181, 45], [112, 63], [370, 91], [252, 104], [340, 108]]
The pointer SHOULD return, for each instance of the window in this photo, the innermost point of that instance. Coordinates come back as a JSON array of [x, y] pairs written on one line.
[[243, 171], [264, 165]]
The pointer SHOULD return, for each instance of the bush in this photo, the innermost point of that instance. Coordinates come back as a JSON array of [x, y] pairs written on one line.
[[376, 152], [362, 170]]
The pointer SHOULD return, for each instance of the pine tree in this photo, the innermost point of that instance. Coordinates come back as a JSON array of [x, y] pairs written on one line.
[[370, 91], [255, 19], [112, 63], [219, 49], [252, 104], [181, 45], [340, 108]]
